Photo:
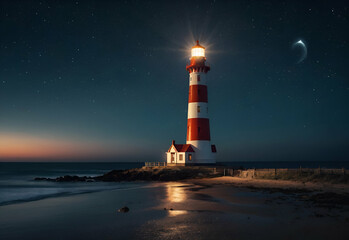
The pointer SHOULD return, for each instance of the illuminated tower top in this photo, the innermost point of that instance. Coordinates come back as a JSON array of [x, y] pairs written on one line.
[[198, 59], [198, 50]]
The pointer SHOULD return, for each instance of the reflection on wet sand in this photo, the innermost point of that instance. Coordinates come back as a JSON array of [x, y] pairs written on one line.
[[175, 194], [174, 213], [194, 211]]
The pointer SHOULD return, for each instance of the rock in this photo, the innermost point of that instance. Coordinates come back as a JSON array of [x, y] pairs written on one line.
[[138, 174], [124, 209], [41, 179], [318, 215], [68, 178]]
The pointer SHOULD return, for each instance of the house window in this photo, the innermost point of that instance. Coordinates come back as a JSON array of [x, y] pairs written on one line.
[[198, 77], [180, 157], [189, 157], [198, 108]]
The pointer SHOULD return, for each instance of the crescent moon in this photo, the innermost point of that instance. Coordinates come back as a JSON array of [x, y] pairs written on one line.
[[305, 51]]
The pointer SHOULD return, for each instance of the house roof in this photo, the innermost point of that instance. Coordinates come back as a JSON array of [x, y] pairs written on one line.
[[182, 148]]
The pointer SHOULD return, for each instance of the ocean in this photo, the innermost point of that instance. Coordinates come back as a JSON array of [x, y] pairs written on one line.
[[17, 182]]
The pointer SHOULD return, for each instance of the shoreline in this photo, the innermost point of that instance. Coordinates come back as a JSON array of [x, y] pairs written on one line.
[[246, 184], [208, 206], [177, 173], [214, 208]]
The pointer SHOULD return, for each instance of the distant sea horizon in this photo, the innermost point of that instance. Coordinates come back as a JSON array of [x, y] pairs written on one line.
[[244, 164]]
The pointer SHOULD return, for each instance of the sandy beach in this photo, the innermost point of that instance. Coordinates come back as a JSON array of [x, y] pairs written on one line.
[[217, 208], [274, 184]]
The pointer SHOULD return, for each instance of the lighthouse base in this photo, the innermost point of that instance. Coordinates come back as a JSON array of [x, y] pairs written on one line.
[[205, 153]]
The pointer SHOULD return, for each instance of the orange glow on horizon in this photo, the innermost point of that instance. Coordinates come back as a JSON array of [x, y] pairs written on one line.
[[27, 146]]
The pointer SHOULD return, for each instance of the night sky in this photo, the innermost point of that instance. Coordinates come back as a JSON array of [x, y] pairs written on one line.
[[106, 80]]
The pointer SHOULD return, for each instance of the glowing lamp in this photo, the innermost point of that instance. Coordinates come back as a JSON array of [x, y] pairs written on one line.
[[198, 50]]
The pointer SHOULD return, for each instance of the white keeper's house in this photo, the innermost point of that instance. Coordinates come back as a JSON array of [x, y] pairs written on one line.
[[182, 154]]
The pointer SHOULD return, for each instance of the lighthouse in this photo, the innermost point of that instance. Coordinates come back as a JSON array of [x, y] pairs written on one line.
[[198, 148]]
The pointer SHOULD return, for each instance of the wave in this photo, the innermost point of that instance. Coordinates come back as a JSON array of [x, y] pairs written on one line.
[[22, 191]]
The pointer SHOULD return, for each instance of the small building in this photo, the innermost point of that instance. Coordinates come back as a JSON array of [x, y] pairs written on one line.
[[184, 154], [180, 154]]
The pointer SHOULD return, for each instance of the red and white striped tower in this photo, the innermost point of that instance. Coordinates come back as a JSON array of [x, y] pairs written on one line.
[[198, 127]]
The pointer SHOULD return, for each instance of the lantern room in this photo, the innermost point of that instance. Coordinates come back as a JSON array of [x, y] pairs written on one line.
[[198, 50]]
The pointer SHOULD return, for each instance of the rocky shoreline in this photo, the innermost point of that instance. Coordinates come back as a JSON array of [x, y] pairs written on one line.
[[142, 174], [330, 176]]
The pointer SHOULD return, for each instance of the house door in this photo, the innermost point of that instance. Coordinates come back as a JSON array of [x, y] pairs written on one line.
[[172, 157]]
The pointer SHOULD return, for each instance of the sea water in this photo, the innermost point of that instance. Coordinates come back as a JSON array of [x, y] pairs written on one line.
[[17, 182]]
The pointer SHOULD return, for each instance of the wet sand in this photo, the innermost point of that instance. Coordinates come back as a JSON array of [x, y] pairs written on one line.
[[220, 208]]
